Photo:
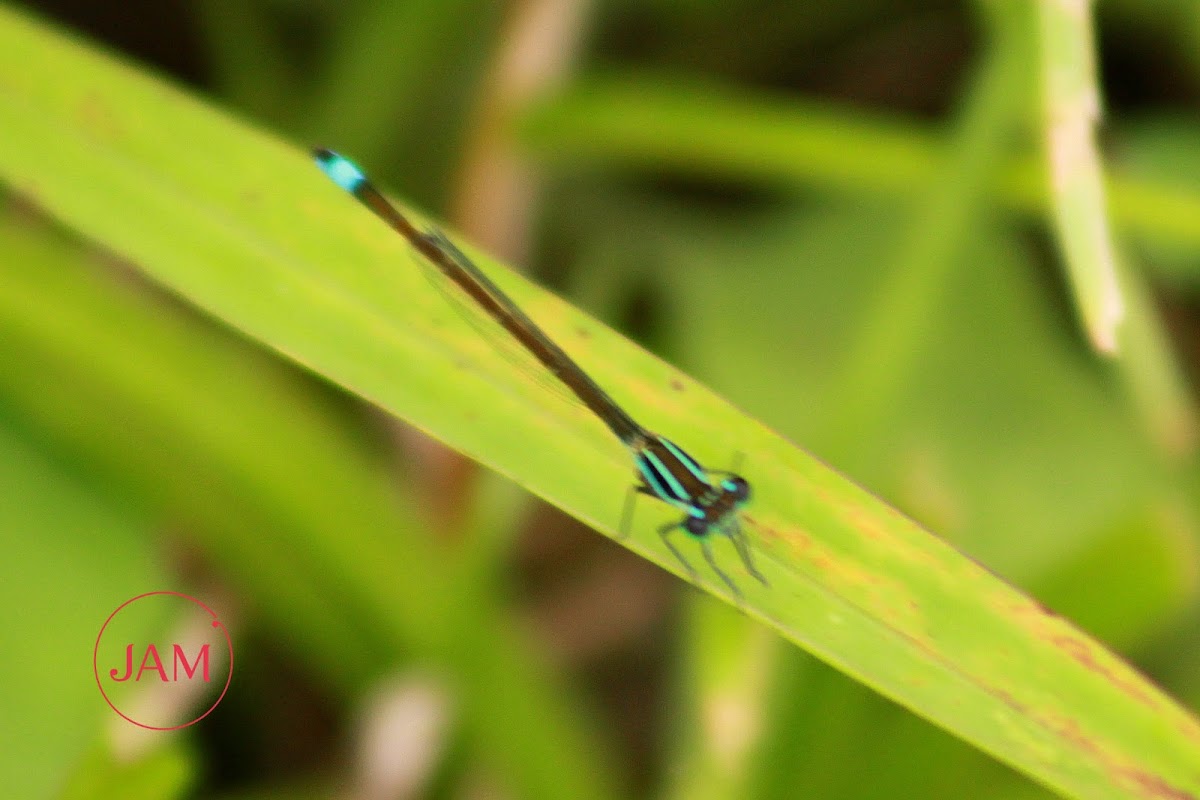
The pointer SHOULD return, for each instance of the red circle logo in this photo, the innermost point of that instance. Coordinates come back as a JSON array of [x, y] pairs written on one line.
[[155, 682]]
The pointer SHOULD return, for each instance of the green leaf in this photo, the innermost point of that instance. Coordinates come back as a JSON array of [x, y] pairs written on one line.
[[57, 527], [1071, 105], [244, 227], [164, 769], [786, 142], [223, 443]]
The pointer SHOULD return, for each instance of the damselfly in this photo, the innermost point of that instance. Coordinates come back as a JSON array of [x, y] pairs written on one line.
[[710, 499]]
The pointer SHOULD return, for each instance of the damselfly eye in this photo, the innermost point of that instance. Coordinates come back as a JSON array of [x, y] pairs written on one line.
[[738, 487]]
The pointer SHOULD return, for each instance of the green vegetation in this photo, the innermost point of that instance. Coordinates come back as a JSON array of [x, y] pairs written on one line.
[[195, 326]]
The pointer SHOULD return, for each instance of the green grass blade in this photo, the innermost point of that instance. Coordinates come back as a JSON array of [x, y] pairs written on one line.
[[709, 129], [158, 773], [212, 435], [55, 526], [1071, 105], [247, 229]]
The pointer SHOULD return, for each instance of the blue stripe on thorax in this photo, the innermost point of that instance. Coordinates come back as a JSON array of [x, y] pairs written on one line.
[[687, 461], [662, 480]]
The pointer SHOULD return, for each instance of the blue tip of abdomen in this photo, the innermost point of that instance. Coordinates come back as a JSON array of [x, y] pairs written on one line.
[[340, 169]]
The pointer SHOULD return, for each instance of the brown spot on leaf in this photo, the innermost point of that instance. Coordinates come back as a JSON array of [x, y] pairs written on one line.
[[1143, 783], [1083, 653], [1069, 730], [94, 114], [1189, 729], [1154, 786], [1044, 610]]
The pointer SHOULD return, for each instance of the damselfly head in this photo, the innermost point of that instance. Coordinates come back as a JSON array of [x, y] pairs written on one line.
[[737, 486]]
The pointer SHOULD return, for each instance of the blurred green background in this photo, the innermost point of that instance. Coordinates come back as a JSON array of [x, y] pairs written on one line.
[[835, 214]]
